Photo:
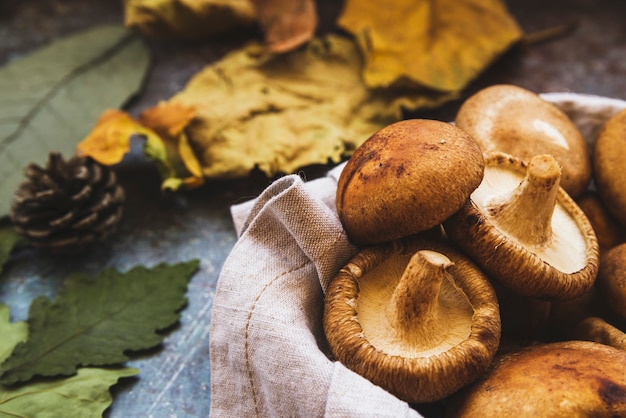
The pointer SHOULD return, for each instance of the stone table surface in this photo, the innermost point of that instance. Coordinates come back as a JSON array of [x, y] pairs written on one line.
[[175, 377]]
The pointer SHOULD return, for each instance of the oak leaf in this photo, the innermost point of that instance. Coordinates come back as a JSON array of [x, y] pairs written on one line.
[[440, 44], [287, 24], [94, 321], [281, 112], [187, 19]]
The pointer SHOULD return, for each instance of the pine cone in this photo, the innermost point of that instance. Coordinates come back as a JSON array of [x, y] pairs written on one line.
[[68, 204]]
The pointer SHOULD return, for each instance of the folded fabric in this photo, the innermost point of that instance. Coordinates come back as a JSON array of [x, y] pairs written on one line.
[[268, 352]]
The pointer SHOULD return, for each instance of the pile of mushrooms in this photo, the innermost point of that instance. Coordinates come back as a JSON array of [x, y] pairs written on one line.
[[454, 222]]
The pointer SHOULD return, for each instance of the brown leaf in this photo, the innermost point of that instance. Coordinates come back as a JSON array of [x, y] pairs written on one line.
[[287, 23], [187, 19], [440, 44], [282, 112]]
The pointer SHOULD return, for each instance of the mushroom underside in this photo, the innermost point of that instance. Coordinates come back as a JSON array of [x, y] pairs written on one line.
[[416, 370]]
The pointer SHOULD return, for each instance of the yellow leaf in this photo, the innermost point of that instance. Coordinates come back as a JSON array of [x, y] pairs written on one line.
[[167, 119], [188, 156], [109, 140], [169, 148], [281, 112], [187, 19], [439, 44], [166, 144]]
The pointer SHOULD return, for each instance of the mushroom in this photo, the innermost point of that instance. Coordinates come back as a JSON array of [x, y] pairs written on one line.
[[598, 330], [608, 230], [561, 379], [406, 178], [525, 231], [565, 315], [523, 318], [415, 317], [516, 121], [611, 281], [608, 165]]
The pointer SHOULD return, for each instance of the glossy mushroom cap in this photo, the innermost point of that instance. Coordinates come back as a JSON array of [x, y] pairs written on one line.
[[406, 178], [564, 379], [510, 119], [525, 231], [414, 317]]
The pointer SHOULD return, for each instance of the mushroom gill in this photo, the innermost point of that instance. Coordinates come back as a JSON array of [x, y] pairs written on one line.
[[413, 316], [523, 205], [421, 313], [525, 231]]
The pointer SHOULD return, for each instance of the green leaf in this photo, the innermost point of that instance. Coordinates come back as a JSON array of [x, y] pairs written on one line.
[[9, 239], [95, 320], [12, 333], [83, 395], [51, 98]]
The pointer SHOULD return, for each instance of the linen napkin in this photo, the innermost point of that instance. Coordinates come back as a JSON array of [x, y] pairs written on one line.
[[267, 348]]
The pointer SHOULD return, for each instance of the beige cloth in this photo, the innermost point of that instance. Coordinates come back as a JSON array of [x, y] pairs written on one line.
[[268, 353]]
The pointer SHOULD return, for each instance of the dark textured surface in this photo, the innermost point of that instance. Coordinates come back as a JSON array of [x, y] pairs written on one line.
[[174, 379]]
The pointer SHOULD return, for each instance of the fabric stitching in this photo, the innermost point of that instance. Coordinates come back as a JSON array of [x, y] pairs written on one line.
[[248, 319]]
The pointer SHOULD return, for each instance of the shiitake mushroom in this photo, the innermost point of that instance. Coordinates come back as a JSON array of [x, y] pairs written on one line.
[[608, 163], [407, 178], [516, 121]]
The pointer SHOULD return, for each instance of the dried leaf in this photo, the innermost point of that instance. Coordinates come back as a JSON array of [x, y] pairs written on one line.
[[180, 166], [166, 143], [282, 112], [11, 332], [287, 23], [187, 19], [109, 140], [94, 321], [167, 119], [85, 395], [51, 97], [440, 44]]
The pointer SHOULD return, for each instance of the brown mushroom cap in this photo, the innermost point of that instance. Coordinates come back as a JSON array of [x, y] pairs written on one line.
[[563, 379], [608, 230], [406, 178], [414, 317], [612, 279], [525, 231], [597, 329], [516, 121], [608, 163], [566, 315]]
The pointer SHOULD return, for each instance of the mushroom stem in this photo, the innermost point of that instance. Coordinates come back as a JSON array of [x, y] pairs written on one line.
[[526, 212], [414, 303]]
